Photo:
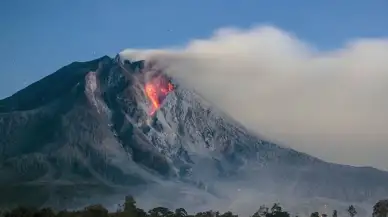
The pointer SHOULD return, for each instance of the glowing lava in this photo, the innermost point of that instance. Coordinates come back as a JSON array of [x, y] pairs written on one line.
[[157, 90]]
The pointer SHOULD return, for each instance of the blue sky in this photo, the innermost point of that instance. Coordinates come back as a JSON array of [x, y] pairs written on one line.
[[38, 37]]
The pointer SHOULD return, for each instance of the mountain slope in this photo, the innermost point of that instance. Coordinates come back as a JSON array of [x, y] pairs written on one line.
[[85, 130]]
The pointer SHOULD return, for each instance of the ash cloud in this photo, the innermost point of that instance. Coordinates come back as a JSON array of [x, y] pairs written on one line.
[[330, 104]]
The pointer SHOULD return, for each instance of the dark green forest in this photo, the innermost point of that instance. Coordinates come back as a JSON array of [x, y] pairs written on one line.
[[129, 209]]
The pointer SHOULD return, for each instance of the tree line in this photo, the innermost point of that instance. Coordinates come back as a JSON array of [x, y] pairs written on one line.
[[129, 209]]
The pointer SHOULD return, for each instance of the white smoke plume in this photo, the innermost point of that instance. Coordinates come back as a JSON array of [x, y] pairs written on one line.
[[332, 105]]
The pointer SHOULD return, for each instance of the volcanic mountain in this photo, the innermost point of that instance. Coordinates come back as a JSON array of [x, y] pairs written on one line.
[[90, 130]]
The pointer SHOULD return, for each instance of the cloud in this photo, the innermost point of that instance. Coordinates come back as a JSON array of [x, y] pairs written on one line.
[[330, 104]]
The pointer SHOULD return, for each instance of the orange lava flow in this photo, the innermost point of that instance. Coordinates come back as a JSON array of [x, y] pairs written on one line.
[[156, 90]]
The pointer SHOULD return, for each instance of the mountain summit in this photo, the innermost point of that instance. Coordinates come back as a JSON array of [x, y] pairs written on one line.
[[87, 131]]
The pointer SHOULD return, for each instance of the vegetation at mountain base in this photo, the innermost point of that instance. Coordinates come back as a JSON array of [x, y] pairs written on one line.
[[129, 209]]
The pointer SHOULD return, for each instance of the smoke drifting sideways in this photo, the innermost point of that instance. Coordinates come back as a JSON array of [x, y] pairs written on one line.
[[330, 104]]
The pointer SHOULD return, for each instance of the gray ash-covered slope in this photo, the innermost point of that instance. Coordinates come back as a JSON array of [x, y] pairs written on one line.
[[85, 130]]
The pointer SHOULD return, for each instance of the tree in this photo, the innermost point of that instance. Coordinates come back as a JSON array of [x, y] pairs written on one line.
[[208, 214], [262, 212], [228, 214], [277, 211], [129, 204], [335, 213], [380, 209], [352, 211], [129, 209], [20, 212], [45, 212], [314, 214], [95, 211], [63, 213], [160, 212], [180, 212], [276, 208], [140, 212]]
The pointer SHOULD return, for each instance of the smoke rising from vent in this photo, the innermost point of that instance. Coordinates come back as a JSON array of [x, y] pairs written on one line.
[[332, 105]]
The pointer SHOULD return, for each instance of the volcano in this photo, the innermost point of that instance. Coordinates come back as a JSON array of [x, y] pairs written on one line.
[[82, 135]]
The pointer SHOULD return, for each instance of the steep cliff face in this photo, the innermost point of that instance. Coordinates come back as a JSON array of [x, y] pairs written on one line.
[[86, 130]]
